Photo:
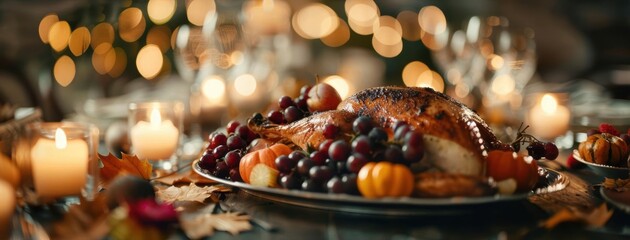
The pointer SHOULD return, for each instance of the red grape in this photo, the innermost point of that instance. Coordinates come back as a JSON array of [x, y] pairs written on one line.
[[242, 131], [292, 114], [362, 125], [208, 161], [221, 170], [235, 175], [394, 153], [285, 102], [361, 145], [297, 155], [320, 174], [312, 186], [334, 185], [220, 151], [551, 151], [304, 90], [331, 131], [319, 157], [304, 165], [339, 151], [285, 164], [355, 162], [301, 103], [325, 145], [235, 142], [217, 140], [536, 150], [377, 136], [232, 125], [275, 117], [290, 181], [401, 132], [233, 158], [350, 184], [413, 153]]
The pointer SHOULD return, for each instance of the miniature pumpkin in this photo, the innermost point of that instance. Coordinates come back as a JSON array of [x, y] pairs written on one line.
[[502, 165], [385, 179], [604, 148], [265, 156]]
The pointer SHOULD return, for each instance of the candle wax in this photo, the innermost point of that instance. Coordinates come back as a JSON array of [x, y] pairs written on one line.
[[154, 141], [59, 172]]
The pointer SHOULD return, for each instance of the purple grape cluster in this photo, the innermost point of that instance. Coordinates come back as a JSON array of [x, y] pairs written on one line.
[[333, 166], [291, 110], [223, 155]]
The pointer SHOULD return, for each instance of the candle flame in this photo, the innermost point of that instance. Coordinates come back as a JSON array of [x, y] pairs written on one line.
[[548, 103], [61, 141], [156, 119]]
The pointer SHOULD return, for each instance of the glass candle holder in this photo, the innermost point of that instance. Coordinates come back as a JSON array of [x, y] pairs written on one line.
[[549, 115], [155, 133], [57, 160]]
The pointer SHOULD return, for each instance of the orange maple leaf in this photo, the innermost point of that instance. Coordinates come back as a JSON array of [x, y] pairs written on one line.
[[129, 164]]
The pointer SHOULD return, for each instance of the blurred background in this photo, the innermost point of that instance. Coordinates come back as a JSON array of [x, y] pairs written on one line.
[[86, 60]]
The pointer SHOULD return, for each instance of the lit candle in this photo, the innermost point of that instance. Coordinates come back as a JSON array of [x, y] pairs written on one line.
[[548, 119], [156, 139], [7, 207], [59, 166]]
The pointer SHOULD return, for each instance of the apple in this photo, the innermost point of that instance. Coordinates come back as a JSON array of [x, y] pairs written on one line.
[[322, 97]]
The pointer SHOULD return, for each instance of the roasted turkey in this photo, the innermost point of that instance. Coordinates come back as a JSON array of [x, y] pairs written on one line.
[[455, 137]]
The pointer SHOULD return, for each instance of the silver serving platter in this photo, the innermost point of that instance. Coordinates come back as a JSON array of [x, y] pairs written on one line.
[[553, 181], [603, 170]]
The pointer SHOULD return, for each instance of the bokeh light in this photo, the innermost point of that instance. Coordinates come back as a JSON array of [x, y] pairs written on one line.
[[432, 20], [339, 37], [503, 84], [160, 36], [213, 88], [45, 24], [79, 41], [388, 51], [245, 85], [131, 24], [431, 79], [409, 22], [197, 10], [58, 35], [161, 11], [64, 70], [340, 84], [120, 63], [315, 21], [103, 58], [412, 71], [361, 15], [102, 33], [149, 61], [387, 30]]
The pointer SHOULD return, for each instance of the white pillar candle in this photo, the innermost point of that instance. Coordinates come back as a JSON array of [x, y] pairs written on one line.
[[7, 207], [154, 140], [59, 166], [548, 119]]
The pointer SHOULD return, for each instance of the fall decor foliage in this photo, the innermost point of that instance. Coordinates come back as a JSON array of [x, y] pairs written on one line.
[[129, 164]]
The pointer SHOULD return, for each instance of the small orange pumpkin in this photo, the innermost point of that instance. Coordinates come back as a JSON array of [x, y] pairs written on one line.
[[502, 165], [606, 149], [385, 179], [265, 156]]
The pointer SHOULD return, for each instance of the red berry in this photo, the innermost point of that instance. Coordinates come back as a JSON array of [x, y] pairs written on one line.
[[551, 151], [232, 125], [573, 163], [331, 131], [607, 128], [275, 117]]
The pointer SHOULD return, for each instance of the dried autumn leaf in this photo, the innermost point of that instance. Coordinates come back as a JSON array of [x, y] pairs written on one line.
[[619, 185], [129, 164], [184, 177], [188, 193], [203, 223], [595, 218]]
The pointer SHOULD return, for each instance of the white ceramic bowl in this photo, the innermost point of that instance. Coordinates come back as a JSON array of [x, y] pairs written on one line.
[[604, 170]]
